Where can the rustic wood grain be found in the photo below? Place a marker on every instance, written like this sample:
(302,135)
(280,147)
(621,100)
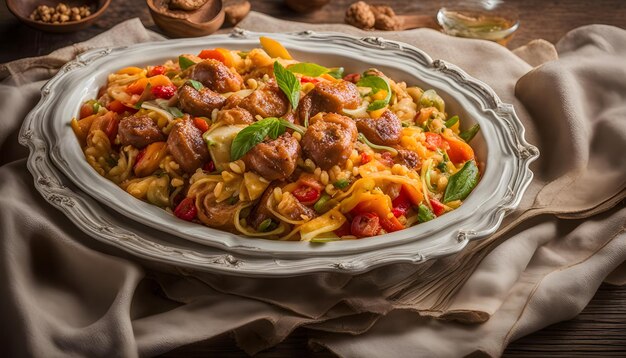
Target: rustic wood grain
(600,330)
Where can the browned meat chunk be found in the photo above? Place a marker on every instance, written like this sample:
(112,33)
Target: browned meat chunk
(274,159)
(199,103)
(408,158)
(216,76)
(383,131)
(329,97)
(294,209)
(267,102)
(186,146)
(329,140)
(219,215)
(235,115)
(139,131)
(260,212)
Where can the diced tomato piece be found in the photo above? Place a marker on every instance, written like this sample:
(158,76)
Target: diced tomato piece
(306,194)
(119,107)
(186,210)
(365,225)
(164,91)
(111,128)
(344,230)
(307,79)
(214,54)
(391,224)
(433,140)
(352,77)
(201,124)
(401,204)
(438,207)
(86,110)
(365,158)
(209,166)
(157,70)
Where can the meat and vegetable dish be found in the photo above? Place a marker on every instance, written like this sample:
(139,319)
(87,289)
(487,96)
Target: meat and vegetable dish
(260,144)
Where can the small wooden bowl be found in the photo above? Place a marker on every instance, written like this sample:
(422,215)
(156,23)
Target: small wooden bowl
(23,8)
(178,23)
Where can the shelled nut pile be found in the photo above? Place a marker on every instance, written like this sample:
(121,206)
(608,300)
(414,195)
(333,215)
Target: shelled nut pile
(60,14)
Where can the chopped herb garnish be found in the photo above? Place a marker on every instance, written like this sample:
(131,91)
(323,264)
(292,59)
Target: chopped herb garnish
(362,138)
(266,225)
(341,183)
(452,121)
(308,69)
(469,134)
(424,214)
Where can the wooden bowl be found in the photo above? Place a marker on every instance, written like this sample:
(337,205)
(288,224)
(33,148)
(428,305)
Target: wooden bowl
(178,23)
(23,8)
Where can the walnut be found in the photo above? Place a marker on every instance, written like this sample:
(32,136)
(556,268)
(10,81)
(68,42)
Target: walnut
(187,5)
(381,17)
(360,15)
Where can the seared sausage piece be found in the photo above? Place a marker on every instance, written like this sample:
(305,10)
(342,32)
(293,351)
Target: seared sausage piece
(329,140)
(267,102)
(139,131)
(236,115)
(186,146)
(294,209)
(260,212)
(274,159)
(216,76)
(384,130)
(408,158)
(199,103)
(329,97)
(219,215)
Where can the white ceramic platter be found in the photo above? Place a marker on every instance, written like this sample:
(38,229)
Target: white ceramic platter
(109,214)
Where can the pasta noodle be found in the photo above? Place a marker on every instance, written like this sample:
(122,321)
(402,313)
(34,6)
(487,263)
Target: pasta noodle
(263,145)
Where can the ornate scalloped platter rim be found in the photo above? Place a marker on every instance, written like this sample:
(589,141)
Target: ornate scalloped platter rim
(340,256)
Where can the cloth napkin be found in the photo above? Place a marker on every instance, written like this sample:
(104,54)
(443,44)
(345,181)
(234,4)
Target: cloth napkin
(64,294)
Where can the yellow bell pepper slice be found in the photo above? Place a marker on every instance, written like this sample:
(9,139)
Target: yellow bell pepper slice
(274,48)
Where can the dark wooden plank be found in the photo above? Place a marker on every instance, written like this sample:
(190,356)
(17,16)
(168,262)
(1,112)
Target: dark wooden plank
(599,330)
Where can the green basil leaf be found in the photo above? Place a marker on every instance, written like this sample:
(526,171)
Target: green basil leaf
(195,84)
(460,185)
(185,62)
(336,72)
(308,69)
(452,121)
(288,83)
(424,214)
(377,84)
(469,134)
(254,134)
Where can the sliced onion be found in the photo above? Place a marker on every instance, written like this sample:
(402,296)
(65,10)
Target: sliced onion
(158,109)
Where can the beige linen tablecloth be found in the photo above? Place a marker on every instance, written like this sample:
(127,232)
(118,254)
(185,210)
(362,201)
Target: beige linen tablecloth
(64,294)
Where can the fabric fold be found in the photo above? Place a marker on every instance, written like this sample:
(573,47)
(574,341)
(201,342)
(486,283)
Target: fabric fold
(61,295)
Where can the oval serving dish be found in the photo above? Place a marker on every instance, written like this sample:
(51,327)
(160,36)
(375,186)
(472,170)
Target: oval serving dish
(67,181)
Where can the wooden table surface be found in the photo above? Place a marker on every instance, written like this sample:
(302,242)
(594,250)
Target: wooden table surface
(599,330)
